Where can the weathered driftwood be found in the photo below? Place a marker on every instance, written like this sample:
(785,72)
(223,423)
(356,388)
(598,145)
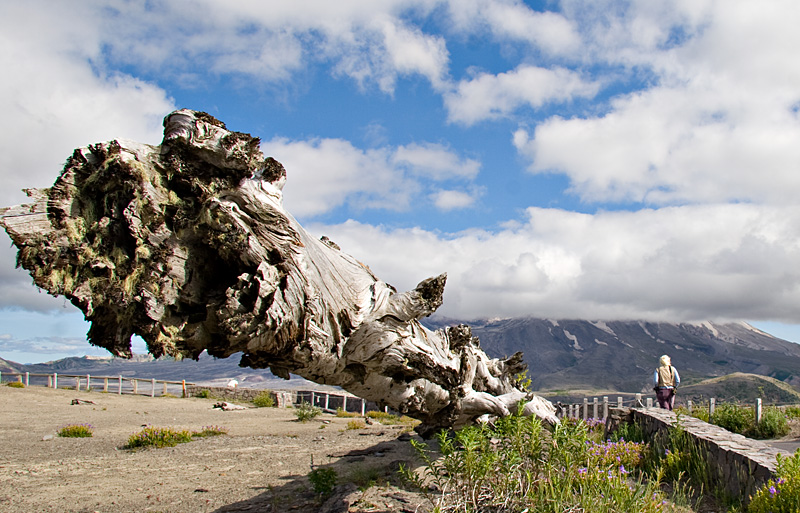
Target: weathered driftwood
(187,244)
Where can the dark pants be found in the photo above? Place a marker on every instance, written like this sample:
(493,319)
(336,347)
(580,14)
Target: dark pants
(666,398)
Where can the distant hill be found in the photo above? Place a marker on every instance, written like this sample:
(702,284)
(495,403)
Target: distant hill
(741,387)
(207,370)
(565,357)
(622,355)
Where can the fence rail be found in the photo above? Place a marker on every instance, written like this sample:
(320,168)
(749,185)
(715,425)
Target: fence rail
(119,384)
(598,407)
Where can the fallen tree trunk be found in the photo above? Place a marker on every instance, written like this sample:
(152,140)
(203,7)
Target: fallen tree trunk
(187,245)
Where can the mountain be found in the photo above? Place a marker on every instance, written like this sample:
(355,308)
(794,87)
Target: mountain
(565,357)
(745,388)
(622,355)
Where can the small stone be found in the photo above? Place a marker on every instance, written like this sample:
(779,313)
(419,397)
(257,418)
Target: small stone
(47,437)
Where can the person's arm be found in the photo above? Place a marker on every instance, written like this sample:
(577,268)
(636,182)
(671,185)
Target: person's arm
(655,378)
(677,377)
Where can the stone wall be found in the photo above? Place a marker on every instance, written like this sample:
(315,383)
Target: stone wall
(236,394)
(738,465)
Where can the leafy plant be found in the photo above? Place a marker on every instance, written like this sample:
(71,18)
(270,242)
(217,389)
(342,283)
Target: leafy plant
(76,431)
(264,400)
(390,419)
(158,437)
(516,465)
(203,394)
(356,424)
(323,480)
(734,418)
(306,412)
(773,424)
(781,495)
(792,412)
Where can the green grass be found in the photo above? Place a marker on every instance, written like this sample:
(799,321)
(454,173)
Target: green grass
(346,414)
(76,431)
(356,424)
(15,384)
(153,437)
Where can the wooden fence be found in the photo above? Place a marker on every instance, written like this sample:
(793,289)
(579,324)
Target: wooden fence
(111,384)
(598,408)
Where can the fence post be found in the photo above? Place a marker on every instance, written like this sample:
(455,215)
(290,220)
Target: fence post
(119,390)
(758,410)
(363,408)
(135,386)
(55,380)
(77,383)
(594,408)
(605,407)
(585,408)
(344,403)
(153,389)
(619,402)
(183,386)
(639,399)
(88,383)
(165,388)
(711,406)
(327,400)
(105,384)
(49,381)
(689,405)
(27,378)
(649,402)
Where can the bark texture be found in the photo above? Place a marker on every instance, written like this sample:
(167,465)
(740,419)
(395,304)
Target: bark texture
(187,244)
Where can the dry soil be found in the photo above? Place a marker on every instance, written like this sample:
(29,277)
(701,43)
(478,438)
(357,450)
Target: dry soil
(260,465)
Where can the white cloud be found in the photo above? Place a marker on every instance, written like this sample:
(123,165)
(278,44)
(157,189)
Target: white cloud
(681,263)
(489,96)
(720,125)
(328,173)
(447,200)
(510,20)
(435,161)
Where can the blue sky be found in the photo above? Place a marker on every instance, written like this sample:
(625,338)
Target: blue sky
(597,160)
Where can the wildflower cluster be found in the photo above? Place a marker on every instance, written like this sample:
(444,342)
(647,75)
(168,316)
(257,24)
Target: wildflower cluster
(158,437)
(616,454)
(781,495)
(516,465)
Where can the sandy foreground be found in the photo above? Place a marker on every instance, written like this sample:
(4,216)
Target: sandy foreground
(260,465)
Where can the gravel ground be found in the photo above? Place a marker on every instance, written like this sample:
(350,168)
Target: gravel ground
(260,465)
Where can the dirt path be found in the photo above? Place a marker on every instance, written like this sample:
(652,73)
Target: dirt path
(261,465)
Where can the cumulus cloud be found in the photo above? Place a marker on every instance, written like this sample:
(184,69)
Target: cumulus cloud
(719,124)
(328,173)
(678,263)
(489,96)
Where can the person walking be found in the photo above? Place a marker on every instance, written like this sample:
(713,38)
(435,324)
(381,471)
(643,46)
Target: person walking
(665,381)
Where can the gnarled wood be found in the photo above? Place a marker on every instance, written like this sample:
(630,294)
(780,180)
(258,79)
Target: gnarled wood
(187,244)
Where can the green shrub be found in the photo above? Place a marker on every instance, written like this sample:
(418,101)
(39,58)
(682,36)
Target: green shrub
(734,418)
(341,413)
(264,400)
(390,419)
(203,394)
(158,437)
(76,431)
(306,412)
(781,495)
(356,424)
(773,425)
(15,384)
(323,480)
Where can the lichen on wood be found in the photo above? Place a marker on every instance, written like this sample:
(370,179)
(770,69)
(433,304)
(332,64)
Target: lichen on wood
(187,245)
